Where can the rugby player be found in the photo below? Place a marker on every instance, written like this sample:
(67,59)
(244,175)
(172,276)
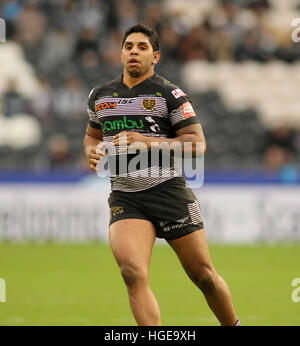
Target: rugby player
(149,109)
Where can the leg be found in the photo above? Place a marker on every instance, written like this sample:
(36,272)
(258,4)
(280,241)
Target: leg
(192,251)
(131,241)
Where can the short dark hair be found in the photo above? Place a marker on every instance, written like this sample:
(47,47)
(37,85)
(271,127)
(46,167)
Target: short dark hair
(146,30)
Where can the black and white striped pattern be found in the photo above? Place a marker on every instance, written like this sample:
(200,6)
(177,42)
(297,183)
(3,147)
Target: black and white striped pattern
(142,179)
(134,108)
(93,116)
(153,176)
(149,108)
(113,149)
(195,213)
(176,116)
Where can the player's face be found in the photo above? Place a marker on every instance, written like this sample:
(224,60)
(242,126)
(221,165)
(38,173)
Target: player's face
(137,55)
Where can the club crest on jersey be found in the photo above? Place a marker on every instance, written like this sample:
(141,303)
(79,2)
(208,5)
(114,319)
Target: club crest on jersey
(149,104)
(117,210)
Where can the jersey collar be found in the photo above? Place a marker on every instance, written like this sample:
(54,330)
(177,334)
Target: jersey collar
(141,84)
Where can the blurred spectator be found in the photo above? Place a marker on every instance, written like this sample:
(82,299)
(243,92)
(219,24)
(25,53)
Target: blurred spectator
(279,148)
(127,13)
(13,101)
(282,137)
(196,44)
(276,157)
(59,153)
(66,14)
(153,16)
(58,47)
(180,22)
(259,6)
(31,25)
(89,69)
(87,40)
(169,45)
(70,100)
(92,14)
(112,47)
(231,23)
(41,103)
(297,143)
(222,46)
(249,48)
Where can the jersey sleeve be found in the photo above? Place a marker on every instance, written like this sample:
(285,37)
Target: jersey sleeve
(181,112)
(93,119)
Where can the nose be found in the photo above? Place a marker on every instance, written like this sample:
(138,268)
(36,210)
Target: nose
(134,50)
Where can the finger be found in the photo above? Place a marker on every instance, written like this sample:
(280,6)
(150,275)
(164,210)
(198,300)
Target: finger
(100,148)
(122,133)
(94,162)
(119,142)
(95,156)
(123,140)
(101,153)
(93,168)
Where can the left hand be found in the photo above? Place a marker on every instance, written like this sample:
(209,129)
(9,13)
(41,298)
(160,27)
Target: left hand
(131,140)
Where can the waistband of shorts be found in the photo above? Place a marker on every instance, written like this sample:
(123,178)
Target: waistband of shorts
(176,180)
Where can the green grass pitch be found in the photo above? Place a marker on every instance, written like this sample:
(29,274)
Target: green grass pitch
(80,284)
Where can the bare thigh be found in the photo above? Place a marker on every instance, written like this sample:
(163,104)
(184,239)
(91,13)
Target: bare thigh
(131,241)
(193,253)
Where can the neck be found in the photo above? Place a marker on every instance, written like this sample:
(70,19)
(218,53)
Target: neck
(131,81)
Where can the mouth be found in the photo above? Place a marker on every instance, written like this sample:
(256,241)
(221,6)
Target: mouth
(133,62)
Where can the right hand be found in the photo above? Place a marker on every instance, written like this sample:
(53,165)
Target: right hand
(95,155)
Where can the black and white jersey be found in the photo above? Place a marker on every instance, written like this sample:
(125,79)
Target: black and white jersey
(154,108)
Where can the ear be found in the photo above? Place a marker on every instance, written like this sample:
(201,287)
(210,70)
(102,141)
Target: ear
(156,57)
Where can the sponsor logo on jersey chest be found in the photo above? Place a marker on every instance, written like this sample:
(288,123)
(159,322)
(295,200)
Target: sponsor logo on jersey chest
(112,105)
(106,105)
(121,124)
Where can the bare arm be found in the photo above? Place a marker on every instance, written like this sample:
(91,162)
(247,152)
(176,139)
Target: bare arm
(92,139)
(189,134)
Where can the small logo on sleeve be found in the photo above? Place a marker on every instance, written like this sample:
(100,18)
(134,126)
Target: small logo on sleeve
(178,93)
(187,110)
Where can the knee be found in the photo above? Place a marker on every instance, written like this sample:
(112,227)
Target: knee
(133,274)
(204,278)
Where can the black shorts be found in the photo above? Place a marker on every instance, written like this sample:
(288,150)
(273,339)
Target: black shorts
(171,206)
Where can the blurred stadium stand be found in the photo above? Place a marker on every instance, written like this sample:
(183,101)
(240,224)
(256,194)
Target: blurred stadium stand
(235,58)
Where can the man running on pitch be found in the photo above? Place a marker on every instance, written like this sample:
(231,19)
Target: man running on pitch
(143,107)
